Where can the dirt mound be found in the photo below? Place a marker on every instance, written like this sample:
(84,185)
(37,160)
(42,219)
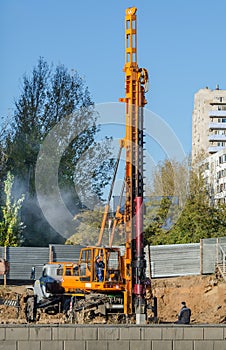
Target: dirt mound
(12,296)
(205,295)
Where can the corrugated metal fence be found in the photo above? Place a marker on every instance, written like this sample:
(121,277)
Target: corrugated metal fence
(60,252)
(22,259)
(175,260)
(166,260)
(209,249)
(208,252)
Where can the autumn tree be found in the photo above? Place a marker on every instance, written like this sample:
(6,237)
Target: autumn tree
(171,178)
(165,199)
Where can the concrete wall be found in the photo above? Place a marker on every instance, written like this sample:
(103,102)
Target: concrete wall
(112,337)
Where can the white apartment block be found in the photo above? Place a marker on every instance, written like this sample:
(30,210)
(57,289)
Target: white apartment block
(209,138)
(208,122)
(215,176)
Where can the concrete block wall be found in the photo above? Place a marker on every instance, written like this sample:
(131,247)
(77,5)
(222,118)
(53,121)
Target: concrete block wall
(112,337)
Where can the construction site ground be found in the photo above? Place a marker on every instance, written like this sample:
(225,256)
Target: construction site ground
(205,295)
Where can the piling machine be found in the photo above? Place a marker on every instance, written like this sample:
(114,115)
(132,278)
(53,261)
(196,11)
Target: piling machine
(118,284)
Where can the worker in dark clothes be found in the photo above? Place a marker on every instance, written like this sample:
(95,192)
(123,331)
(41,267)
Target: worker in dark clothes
(184,314)
(99,269)
(32,276)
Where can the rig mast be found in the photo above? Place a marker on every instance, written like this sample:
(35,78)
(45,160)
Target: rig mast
(136,80)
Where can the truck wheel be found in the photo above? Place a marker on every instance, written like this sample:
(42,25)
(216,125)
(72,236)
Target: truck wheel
(30,309)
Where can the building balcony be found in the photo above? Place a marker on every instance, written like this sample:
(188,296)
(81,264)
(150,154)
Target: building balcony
(217,126)
(217,114)
(217,137)
(220,195)
(214,149)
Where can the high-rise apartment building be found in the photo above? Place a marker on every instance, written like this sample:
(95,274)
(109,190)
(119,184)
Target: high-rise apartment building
(209,122)
(209,136)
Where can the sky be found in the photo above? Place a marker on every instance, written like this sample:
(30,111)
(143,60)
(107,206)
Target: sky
(180,43)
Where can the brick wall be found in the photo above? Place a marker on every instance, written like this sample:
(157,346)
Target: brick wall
(112,337)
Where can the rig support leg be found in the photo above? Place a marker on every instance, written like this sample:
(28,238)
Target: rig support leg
(140,310)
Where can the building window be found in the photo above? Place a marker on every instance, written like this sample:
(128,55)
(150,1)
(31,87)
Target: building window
(207,166)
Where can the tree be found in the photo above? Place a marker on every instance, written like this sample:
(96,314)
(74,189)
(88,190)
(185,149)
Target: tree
(88,224)
(5,137)
(166,200)
(171,178)
(49,96)
(11,226)
(88,227)
(199,219)
(159,219)
(195,220)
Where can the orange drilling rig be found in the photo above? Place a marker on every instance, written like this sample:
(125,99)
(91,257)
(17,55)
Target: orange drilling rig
(104,281)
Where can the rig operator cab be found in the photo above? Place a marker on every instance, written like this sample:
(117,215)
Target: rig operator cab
(99,268)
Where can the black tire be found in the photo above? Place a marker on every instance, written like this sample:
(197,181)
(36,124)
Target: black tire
(30,309)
